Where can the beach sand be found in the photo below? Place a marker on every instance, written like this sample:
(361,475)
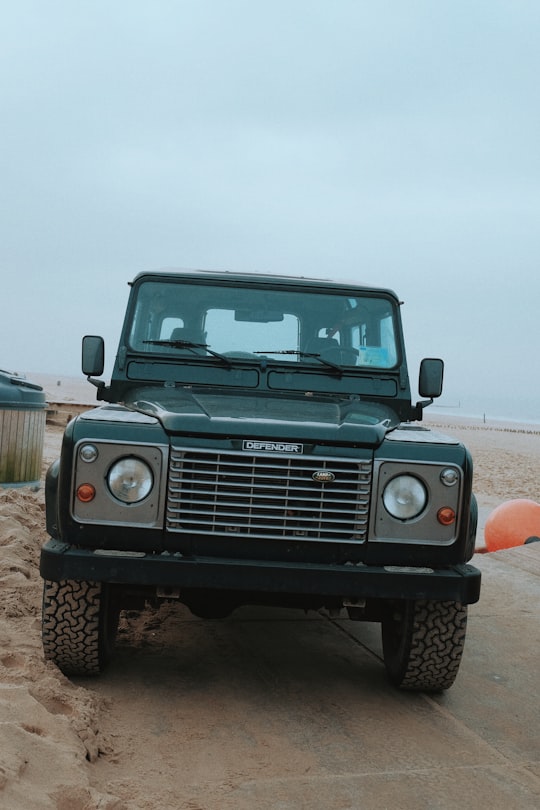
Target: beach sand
(51,732)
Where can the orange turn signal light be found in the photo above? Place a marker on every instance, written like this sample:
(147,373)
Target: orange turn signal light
(86,493)
(446,516)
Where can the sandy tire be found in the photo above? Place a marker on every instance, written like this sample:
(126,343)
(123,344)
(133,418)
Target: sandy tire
(423,643)
(79,626)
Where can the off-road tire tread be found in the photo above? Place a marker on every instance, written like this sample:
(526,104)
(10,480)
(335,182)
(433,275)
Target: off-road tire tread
(71,626)
(431,648)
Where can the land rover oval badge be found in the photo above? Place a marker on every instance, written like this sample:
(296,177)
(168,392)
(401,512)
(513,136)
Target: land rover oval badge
(323,476)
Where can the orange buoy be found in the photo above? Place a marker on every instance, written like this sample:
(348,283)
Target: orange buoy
(513,523)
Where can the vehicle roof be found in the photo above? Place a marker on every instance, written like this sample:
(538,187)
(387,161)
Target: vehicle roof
(260,278)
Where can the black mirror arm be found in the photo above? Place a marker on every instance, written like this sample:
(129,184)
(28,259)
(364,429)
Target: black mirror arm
(97,383)
(419,408)
(101,388)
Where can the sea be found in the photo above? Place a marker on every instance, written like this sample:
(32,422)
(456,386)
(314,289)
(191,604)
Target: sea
(488,410)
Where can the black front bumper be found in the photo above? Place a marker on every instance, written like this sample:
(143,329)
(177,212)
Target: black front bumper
(60,561)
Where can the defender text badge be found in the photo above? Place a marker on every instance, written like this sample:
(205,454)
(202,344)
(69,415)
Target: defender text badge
(273,447)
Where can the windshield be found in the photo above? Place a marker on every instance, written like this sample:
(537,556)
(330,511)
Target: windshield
(299,326)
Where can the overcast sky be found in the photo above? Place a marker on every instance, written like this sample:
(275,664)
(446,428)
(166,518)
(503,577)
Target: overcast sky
(394,142)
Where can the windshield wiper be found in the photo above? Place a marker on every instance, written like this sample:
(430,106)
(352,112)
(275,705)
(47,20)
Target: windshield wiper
(188,344)
(334,366)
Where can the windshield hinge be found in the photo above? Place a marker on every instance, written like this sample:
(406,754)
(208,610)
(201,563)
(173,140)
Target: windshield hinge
(403,378)
(122,353)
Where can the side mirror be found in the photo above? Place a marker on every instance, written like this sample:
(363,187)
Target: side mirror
(430,381)
(93,355)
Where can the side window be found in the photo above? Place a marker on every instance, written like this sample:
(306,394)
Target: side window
(149,317)
(388,340)
(375,341)
(168,325)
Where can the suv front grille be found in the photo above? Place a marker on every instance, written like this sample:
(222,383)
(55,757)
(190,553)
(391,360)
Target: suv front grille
(270,497)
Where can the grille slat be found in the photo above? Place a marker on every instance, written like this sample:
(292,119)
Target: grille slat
(270,492)
(306,517)
(342,510)
(264,497)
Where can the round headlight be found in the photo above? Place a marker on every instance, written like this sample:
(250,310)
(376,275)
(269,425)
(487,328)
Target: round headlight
(130,480)
(404,497)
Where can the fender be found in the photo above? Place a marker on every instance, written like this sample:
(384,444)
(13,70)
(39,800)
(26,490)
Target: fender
(51,498)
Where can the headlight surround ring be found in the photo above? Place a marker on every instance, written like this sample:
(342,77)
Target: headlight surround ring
(405,497)
(130,480)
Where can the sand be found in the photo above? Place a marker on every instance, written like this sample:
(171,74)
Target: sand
(56,750)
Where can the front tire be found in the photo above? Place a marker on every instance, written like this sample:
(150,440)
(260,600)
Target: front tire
(423,643)
(79,623)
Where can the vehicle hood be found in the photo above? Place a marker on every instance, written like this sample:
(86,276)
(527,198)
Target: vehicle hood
(305,418)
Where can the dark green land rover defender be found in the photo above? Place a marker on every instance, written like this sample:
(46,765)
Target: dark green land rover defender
(257,444)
